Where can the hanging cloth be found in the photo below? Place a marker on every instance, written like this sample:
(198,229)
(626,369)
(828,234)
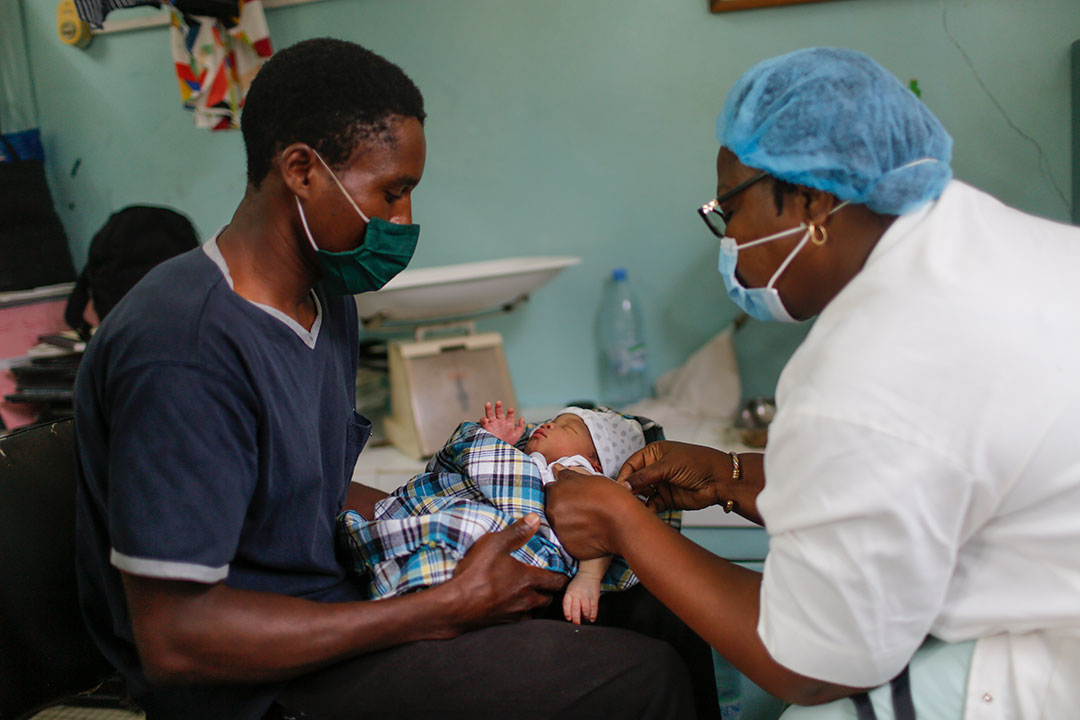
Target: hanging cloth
(216,60)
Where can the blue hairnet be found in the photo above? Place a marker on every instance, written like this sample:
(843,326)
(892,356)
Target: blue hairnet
(837,121)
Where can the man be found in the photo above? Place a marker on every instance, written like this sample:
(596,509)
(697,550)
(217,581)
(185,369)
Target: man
(216,439)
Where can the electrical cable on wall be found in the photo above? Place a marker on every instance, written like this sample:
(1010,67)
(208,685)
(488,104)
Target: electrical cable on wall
(1044,164)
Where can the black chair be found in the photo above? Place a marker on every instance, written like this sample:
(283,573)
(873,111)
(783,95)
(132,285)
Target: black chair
(46,653)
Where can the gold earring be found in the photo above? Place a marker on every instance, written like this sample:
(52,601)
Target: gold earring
(824,234)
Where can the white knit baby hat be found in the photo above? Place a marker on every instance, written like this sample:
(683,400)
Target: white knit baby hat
(616,438)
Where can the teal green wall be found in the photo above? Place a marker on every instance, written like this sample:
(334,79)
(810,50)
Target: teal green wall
(578,127)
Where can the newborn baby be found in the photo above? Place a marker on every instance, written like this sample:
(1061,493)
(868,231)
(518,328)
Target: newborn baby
(487,475)
(595,440)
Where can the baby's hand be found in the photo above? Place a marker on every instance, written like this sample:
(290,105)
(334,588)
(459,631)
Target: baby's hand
(581,599)
(501,424)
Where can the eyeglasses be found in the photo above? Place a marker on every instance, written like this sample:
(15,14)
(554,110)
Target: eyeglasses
(713,214)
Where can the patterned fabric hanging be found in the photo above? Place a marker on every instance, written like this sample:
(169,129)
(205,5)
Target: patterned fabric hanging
(216,61)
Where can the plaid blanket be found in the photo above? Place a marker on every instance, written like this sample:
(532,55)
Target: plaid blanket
(475,485)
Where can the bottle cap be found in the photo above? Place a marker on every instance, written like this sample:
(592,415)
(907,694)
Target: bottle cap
(618,274)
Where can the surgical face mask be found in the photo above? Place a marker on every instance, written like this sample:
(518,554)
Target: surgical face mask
(762,303)
(385,250)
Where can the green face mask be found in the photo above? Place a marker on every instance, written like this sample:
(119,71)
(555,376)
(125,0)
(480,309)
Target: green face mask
(384,251)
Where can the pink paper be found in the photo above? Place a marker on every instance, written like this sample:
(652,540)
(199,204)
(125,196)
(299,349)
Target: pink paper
(20,326)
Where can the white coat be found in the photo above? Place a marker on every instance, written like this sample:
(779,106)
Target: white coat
(923,470)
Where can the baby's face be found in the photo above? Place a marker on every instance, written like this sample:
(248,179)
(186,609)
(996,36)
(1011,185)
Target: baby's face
(563,436)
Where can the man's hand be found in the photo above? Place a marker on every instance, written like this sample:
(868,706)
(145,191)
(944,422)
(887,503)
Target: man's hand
(501,424)
(495,587)
(362,499)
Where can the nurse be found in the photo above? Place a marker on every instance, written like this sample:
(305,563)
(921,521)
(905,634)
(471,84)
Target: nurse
(921,483)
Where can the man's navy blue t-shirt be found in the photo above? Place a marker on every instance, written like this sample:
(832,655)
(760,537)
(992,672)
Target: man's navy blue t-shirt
(215,443)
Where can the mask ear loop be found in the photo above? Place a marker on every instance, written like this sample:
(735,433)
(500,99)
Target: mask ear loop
(341,187)
(768,238)
(300,207)
(825,233)
(791,256)
(303,221)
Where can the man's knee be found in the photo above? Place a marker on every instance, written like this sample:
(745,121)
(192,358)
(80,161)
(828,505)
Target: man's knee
(655,683)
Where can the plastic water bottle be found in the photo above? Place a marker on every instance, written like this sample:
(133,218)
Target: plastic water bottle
(622,342)
(728,688)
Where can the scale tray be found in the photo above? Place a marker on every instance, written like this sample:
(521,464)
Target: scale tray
(459,290)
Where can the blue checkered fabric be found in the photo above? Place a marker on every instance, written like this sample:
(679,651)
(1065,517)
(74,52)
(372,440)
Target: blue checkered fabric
(475,485)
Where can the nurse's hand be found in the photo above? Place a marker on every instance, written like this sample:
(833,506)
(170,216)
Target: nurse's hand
(496,588)
(683,476)
(675,475)
(587,512)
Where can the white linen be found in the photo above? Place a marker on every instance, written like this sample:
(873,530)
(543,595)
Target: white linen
(923,469)
(547,475)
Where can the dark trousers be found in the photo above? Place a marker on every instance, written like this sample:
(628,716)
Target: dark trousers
(542,668)
(637,610)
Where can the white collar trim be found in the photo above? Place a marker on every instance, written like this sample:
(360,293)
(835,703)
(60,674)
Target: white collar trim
(310,337)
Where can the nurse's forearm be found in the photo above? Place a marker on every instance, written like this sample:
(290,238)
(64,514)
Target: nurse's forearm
(718,599)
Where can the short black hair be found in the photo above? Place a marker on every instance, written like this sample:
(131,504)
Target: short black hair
(328,93)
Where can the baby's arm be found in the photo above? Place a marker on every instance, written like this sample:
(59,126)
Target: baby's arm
(501,424)
(582,597)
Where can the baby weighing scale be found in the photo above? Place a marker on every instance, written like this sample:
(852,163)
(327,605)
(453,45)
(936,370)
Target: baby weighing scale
(447,371)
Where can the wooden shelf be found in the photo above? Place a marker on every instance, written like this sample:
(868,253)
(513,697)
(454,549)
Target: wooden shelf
(719,6)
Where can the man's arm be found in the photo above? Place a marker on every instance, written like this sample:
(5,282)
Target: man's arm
(362,499)
(189,633)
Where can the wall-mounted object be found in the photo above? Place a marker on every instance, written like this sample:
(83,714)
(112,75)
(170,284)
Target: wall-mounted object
(161,19)
(719,6)
(71,28)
